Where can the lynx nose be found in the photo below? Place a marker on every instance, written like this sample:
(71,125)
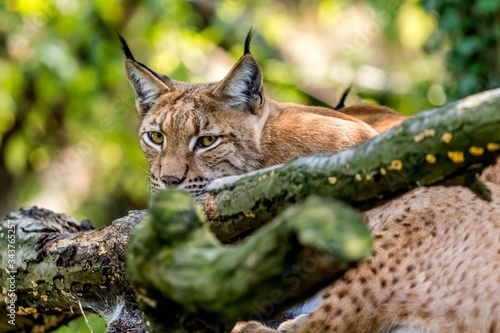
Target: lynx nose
(170,180)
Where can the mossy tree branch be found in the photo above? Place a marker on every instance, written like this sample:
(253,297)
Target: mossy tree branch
(437,146)
(186,278)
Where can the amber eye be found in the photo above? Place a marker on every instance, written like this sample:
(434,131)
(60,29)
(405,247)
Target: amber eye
(206,141)
(156,137)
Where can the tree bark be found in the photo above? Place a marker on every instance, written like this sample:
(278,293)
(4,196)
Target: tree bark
(55,264)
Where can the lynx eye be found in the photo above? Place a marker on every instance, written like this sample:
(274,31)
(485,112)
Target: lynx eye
(206,141)
(156,137)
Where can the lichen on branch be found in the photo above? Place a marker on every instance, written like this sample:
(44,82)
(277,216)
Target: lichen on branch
(432,147)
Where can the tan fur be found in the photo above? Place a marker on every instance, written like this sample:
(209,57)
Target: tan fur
(436,264)
(492,173)
(299,130)
(381,118)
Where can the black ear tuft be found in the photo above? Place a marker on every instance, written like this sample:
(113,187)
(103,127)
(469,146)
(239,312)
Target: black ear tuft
(148,84)
(248,39)
(341,102)
(130,56)
(125,48)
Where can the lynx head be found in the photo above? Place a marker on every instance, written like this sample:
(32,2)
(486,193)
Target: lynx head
(194,133)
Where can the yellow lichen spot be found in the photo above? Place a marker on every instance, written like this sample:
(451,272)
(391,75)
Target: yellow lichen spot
(44,297)
(419,137)
(26,311)
(358,177)
(431,159)
(456,156)
(368,176)
(396,165)
(492,146)
(476,151)
(34,284)
(332,180)
(429,132)
(249,215)
(382,171)
(447,137)
(65,293)
(101,250)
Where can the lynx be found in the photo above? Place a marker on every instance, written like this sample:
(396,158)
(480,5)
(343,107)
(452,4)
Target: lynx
(436,262)
(192,134)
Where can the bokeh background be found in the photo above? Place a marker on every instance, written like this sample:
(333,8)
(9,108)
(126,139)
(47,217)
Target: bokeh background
(67,120)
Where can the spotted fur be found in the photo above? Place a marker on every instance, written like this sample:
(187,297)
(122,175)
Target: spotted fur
(435,269)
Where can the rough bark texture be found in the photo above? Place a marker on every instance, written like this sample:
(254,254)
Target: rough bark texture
(432,147)
(212,286)
(57,263)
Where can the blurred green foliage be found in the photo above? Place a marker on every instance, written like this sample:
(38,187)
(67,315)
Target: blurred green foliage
(96,323)
(471,32)
(67,120)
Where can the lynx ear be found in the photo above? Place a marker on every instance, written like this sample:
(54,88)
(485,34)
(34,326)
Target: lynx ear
(148,84)
(242,87)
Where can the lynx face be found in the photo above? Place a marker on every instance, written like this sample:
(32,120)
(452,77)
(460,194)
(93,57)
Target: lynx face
(190,140)
(194,133)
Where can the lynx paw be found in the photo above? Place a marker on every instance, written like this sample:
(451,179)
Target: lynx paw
(292,325)
(251,327)
(289,326)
